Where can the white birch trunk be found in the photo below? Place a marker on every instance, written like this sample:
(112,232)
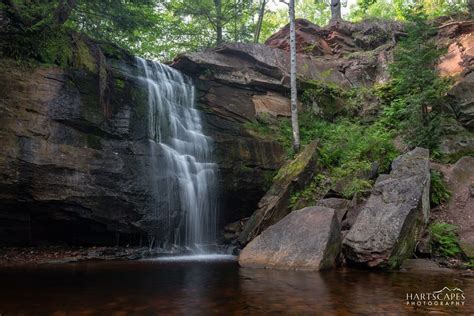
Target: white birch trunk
(294,94)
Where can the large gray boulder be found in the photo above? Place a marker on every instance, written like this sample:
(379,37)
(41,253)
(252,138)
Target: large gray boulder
(307,239)
(387,227)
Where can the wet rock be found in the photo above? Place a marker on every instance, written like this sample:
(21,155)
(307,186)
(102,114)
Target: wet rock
(275,204)
(233,227)
(391,221)
(307,239)
(423,266)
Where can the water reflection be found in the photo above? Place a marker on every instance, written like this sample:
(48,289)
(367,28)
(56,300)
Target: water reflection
(204,288)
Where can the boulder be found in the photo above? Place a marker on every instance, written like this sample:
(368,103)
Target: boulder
(307,239)
(388,226)
(339,205)
(275,204)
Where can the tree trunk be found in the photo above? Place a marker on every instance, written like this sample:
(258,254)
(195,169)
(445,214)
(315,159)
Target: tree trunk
(294,95)
(470,6)
(218,6)
(335,10)
(258,28)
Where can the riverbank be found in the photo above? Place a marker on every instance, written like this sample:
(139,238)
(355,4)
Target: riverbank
(17,256)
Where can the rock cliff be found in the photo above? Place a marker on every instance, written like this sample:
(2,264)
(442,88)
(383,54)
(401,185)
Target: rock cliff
(75,164)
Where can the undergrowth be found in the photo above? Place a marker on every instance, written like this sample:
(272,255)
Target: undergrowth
(439,192)
(444,239)
(348,150)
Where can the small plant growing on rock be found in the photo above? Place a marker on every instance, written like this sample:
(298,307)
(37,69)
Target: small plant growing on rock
(444,239)
(439,192)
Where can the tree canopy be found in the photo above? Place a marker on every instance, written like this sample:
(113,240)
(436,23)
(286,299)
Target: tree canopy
(162,29)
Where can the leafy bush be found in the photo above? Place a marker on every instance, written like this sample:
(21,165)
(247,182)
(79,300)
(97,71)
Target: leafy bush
(439,193)
(444,239)
(348,149)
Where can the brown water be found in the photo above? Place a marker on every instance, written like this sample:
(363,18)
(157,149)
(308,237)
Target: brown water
(217,287)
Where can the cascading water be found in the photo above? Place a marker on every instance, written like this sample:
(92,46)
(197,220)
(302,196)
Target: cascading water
(184,176)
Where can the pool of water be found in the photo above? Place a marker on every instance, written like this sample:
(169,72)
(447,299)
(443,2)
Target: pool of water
(206,286)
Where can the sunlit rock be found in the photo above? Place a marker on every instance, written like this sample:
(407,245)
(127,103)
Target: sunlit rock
(307,239)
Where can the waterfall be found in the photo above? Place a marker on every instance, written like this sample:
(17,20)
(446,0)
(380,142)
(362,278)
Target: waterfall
(184,175)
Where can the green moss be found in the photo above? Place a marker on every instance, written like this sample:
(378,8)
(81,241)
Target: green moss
(289,170)
(297,165)
(84,58)
(119,83)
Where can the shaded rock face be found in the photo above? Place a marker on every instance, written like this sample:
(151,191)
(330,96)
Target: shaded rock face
(459,178)
(75,170)
(388,226)
(307,239)
(71,170)
(275,204)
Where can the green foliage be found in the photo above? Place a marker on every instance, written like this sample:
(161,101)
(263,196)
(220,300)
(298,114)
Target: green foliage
(414,101)
(316,11)
(312,192)
(439,192)
(444,239)
(396,9)
(348,149)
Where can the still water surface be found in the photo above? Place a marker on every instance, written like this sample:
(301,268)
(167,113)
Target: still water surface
(207,287)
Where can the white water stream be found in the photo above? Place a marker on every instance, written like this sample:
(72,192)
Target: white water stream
(182,162)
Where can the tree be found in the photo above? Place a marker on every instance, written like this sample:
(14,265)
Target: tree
(335,10)
(224,17)
(258,27)
(294,92)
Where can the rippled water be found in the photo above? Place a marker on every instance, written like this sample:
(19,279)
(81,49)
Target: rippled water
(204,287)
